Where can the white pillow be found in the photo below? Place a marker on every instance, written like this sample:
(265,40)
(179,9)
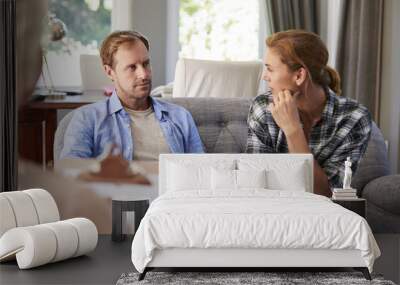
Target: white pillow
(251,179)
(231,180)
(281,174)
(183,178)
(193,175)
(223,179)
(292,180)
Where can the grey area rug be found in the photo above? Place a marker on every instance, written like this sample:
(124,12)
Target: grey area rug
(225,278)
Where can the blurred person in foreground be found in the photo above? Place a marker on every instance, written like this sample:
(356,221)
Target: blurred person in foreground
(73,199)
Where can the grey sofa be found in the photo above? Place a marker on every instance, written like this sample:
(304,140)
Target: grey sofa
(222,124)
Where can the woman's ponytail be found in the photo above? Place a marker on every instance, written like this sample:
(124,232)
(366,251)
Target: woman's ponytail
(334,82)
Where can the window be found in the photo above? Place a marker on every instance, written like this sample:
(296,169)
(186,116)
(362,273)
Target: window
(219,30)
(88,22)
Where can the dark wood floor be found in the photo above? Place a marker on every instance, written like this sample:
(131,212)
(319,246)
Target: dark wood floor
(102,266)
(110,259)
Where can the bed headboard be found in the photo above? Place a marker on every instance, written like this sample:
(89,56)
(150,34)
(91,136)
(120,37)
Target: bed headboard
(272,160)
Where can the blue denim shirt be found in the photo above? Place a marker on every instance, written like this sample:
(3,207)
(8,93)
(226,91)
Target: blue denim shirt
(93,127)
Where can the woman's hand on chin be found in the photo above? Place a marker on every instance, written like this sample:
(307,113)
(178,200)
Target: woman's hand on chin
(285,113)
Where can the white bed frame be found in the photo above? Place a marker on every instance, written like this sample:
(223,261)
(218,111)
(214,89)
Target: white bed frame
(234,257)
(250,258)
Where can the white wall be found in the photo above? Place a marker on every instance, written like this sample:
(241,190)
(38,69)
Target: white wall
(390,91)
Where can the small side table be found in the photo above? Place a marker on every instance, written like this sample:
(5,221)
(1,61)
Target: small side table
(357,205)
(118,209)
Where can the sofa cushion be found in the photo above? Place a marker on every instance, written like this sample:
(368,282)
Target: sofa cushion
(222,122)
(382,221)
(384,192)
(374,162)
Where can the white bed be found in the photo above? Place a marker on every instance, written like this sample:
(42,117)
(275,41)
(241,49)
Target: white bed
(203,219)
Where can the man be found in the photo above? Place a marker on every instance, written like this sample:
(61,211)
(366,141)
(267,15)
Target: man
(141,126)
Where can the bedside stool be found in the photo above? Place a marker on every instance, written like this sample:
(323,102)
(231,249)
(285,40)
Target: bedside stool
(119,207)
(357,205)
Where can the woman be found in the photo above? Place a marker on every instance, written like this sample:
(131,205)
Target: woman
(303,113)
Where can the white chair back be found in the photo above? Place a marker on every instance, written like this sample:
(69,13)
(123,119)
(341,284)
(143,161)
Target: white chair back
(27,208)
(205,78)
(92,73)
(31,231)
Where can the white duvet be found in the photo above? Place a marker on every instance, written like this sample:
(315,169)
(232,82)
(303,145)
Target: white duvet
(250,219)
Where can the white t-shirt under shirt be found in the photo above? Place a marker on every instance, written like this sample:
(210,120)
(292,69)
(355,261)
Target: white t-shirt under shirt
(147,136)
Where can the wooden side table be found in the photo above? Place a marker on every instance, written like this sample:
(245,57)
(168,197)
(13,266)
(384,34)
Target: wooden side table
(357,205)
(37,123)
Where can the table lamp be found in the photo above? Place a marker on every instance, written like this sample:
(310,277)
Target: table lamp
(56,32)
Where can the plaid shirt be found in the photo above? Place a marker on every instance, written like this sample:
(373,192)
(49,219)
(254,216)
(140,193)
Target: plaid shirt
(343,131)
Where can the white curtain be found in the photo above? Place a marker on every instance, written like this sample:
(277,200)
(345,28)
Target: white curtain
(334,16)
